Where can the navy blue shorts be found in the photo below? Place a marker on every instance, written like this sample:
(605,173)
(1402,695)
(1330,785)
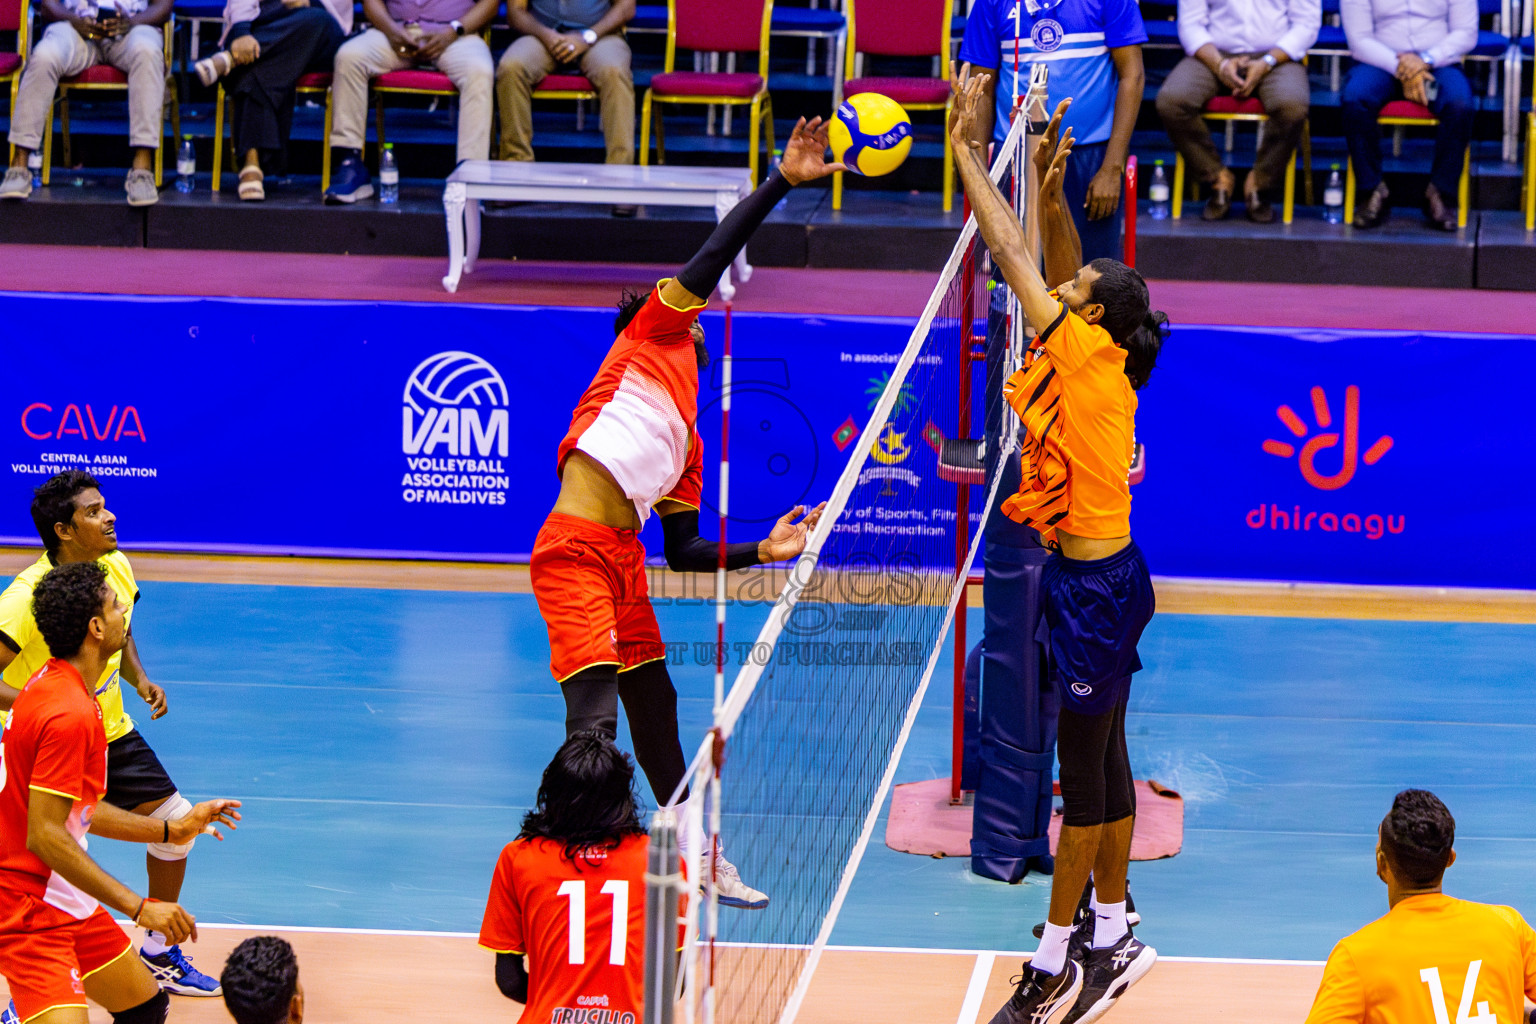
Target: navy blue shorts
(1096,612)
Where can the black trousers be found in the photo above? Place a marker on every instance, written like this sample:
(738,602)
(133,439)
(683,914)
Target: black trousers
(650,703)
(293,42)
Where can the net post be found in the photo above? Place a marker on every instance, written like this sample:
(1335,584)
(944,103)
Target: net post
(1130,211)
(962,515)
(725,495)
(662,884)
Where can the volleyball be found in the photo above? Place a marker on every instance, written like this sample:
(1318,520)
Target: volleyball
(871,134)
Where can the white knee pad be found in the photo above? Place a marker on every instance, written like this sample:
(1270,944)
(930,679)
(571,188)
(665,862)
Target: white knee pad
(175,806)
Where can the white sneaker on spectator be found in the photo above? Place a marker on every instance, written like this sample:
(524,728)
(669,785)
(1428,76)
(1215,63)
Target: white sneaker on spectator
(140,186)
(17,183)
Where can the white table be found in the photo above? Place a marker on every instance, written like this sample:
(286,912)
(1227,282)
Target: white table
(476,180)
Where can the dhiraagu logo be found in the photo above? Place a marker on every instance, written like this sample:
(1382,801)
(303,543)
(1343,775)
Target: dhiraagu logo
(1346,439)
(455,427)
(1337,447)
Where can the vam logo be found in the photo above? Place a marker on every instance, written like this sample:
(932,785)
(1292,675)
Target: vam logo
(445,397)
(1348,437)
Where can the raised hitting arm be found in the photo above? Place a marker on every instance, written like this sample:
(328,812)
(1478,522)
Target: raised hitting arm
(1058,232)
(804,160)
(995,219)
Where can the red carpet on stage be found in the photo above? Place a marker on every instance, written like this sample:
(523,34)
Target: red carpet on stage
(923,821)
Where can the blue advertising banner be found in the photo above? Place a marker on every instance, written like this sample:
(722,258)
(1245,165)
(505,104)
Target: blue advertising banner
(430,430)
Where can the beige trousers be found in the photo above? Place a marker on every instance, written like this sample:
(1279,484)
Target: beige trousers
(606,66)
(62,53)
(466,62)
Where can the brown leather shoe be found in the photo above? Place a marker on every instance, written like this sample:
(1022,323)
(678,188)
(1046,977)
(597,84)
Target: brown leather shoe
(1218,206)
(1257,209)
(1375,209)
(1436,213)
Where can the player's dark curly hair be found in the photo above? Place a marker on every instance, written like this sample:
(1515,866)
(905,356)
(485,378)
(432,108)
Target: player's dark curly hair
(54,502)
(259,980)
(1416,837)
(1128,317)
(630,302)
(65,602)
(587,797)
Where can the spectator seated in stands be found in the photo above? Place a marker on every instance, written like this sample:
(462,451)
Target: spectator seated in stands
(261,983)
(127,35)
(271,44)
(561,35)
(1409,49)
(444,34)
(1242,49)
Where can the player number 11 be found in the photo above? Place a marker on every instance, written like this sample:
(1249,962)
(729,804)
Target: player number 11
(575,892)
(1431,977)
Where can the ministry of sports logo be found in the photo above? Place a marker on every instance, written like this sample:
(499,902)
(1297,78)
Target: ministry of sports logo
(454,419)
(1047,35)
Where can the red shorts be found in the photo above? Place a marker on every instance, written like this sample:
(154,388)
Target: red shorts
(589,580)
(46,953)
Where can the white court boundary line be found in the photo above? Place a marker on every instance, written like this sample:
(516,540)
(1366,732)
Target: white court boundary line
(981,973)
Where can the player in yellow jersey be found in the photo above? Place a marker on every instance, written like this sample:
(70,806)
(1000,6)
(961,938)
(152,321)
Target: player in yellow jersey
(1432,959)
(73,521)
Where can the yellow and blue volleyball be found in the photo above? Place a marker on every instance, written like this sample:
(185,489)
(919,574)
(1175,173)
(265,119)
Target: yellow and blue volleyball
(871,133)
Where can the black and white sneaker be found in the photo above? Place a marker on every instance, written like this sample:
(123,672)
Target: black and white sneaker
(1041,998)
(1109,974)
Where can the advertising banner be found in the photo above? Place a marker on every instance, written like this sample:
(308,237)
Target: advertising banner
(429,431)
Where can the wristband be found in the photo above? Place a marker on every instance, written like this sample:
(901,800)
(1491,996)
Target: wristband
(166,837)
(140,913)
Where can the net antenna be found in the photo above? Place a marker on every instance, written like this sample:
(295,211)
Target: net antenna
(820,711)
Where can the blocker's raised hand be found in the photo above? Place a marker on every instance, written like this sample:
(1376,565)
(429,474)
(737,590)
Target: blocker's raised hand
(805,157)
(968,96)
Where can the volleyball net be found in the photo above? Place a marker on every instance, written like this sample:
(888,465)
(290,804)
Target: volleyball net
(790,783)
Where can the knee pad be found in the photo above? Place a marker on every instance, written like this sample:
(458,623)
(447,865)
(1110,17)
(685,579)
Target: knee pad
(151,1011)
(175,806)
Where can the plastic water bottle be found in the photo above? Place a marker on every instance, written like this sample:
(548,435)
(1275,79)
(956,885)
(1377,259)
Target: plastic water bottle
(186,165)
(35,165)
(389,176)
(1157,191)
(1333,198)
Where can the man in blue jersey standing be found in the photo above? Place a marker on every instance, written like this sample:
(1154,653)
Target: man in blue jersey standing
(1093,49)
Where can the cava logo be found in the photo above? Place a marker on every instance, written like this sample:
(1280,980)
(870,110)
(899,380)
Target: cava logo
(455,404)
(455,429)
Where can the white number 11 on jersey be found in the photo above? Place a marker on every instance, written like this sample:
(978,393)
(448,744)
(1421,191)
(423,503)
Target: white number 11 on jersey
(575,892)
(1431,977)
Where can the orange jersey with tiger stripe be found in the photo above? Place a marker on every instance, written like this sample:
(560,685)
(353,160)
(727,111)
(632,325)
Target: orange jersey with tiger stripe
(581,923)
(1431,960)
(1079,415)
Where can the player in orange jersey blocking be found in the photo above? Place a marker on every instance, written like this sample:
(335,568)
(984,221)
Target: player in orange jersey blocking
(633,447)
(1431,956)
(1096,341)
(58,945)
(569,893)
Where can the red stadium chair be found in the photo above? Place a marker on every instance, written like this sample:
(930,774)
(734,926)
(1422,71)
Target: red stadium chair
(315,83)
(713,26)
(1406,113)
(901,28)
(104,78)
(1230,109)
(566,87)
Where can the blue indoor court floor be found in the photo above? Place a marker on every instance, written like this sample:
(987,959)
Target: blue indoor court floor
(387,742)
